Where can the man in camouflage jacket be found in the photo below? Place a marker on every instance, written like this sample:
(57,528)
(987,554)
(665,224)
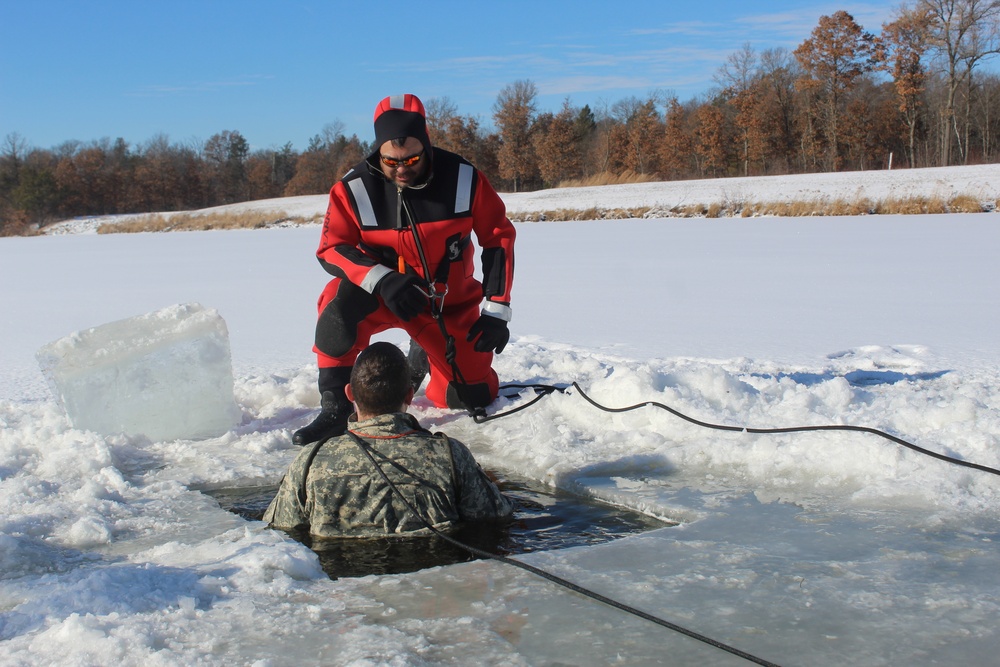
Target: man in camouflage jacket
(333,488)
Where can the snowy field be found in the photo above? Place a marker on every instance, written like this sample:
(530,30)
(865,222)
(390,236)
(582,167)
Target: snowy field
(822,548)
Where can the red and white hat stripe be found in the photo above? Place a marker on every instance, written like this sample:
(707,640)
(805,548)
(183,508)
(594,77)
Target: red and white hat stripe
(405,102)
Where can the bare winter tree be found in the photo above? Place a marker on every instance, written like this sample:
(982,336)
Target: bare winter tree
(902,47)
(441,111)
(962,33)
(738,78)
(641,128)
(777,90)
(227,153)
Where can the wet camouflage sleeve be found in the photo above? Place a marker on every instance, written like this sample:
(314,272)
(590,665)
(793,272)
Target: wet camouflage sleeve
(286,511)
(478,498)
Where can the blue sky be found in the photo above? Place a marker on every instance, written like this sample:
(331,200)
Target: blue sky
(279,71)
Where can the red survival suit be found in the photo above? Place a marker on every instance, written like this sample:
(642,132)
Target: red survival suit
(370,229)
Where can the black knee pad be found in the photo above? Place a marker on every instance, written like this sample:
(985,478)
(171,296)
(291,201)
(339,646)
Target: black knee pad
(337,326)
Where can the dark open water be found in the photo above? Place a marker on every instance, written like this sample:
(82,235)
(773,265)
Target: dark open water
(545,519)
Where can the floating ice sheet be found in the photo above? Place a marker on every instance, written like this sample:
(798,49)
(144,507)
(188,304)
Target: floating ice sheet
(166,375)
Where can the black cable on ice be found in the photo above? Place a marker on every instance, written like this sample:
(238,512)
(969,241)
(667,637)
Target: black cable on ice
(791,429)
(576,588)
(545,389)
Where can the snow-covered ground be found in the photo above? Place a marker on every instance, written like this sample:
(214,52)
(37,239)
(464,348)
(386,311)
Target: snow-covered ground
(825,548)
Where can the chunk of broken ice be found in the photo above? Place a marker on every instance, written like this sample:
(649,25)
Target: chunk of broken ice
(167,375)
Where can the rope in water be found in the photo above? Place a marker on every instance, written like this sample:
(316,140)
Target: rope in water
(576,588)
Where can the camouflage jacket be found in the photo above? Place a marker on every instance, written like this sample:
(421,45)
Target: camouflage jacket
(334,489)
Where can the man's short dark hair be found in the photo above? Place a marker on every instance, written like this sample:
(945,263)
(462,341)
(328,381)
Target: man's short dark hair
(380,379)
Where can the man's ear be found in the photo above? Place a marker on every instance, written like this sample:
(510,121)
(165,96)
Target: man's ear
(349,392)
(409,396)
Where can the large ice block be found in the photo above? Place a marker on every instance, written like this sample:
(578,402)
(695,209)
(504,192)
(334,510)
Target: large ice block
(167,375)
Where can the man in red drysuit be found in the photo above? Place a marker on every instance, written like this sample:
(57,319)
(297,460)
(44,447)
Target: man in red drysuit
(397,239)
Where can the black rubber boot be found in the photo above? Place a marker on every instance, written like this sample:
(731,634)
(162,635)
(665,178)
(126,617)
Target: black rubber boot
(334,408)
(419,365)
(468,396)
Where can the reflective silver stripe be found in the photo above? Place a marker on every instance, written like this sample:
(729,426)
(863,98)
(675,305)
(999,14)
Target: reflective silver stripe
(397,101)
(498,310)
(373,276)
(364,203)
(463,196)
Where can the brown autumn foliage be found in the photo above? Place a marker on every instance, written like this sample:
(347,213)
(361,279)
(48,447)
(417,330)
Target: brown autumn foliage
(833,59)
(845,99)
(514,115)
(711,140)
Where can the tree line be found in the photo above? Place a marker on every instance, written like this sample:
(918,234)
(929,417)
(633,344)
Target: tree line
(915,94)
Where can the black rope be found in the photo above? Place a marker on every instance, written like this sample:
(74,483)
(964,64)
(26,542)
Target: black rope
(449,340)
(791,429)
(576,588)
(545,389)
(542,390)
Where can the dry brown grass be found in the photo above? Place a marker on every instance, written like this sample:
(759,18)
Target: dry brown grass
(912,206)
(725,209)
(964,204)
(570,214)
(608,178)
(798,209)
(16,223)
(691,210)
(186,222)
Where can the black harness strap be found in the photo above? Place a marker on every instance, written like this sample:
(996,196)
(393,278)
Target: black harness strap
(449,340)
(305,473)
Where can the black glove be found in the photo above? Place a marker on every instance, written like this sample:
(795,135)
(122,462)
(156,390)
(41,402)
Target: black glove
(495,334)
(401,294)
